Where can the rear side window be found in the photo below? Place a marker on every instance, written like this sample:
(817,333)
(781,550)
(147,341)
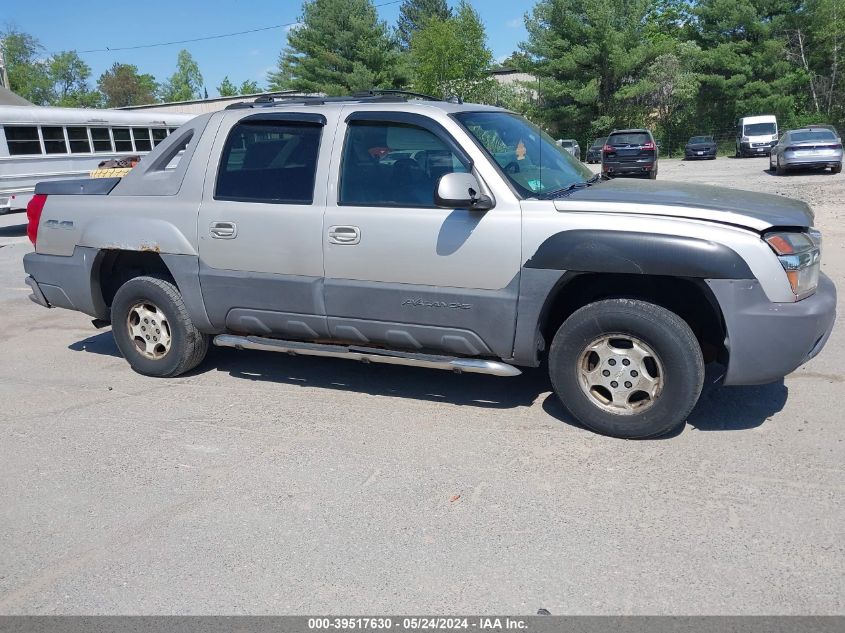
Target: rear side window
(629,138)
(269,161)
(22,140)
(393,164)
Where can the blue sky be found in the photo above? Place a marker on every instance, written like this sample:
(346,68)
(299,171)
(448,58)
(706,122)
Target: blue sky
(65,25)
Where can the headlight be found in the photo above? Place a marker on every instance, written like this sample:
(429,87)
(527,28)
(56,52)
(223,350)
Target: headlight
(800,256)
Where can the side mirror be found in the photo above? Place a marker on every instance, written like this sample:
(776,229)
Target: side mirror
(461,191)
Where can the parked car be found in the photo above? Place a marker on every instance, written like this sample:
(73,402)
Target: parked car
(700,147)
(630,153)
(756,135)
(594,151)
(571,146)
(816,147)
(290,226)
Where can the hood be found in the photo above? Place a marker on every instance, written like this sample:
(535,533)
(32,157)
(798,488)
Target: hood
(757,211)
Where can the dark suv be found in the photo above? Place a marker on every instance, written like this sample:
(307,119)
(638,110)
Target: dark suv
(629,153)
(594,151)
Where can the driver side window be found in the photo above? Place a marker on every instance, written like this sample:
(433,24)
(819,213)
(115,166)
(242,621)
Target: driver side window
(393,165)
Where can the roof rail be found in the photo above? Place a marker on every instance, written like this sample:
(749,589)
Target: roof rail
(376,92)
(296,97)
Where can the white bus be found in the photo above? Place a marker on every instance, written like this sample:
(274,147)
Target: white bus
(41,143)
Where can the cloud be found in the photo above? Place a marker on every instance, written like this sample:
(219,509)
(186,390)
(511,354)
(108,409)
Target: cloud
(515,23)
(293,27)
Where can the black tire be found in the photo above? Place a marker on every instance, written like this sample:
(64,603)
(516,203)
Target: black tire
(780,171)
(836,169)
(652,175)
(188,346)
(663,331)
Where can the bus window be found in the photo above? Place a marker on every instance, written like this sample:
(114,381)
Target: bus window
(54,140)
(22,140)
(159,134)
(142,139)
(122,142)
(78,137)
(101,138)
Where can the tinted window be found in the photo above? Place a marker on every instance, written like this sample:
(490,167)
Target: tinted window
(101,138)
(812,135)
(78,137)
(629,138)
(122,142)
(701,139)
(54,140)
(599,142)
(159,134)
(391,164)
(22,140)
(142,139)
(266,161)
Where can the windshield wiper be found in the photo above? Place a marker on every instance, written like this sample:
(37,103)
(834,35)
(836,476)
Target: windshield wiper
(575,186)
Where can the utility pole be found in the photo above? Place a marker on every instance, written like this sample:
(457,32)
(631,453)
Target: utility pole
(4,73)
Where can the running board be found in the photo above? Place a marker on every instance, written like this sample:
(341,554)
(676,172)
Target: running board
(368,355)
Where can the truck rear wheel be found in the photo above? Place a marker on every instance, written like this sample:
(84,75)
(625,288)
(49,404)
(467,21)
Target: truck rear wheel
(152,329)
(627,368)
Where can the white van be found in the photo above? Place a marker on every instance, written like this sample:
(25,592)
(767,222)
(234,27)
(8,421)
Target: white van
(756,135)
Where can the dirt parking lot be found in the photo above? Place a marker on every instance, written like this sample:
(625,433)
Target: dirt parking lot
(266,484)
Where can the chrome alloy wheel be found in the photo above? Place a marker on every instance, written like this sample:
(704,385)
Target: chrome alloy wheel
(149,330)
(620,374)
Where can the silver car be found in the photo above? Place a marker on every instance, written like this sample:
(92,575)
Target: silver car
(816,147)
(571,146)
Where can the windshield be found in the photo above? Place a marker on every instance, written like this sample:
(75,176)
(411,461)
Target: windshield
(813,135)
(599,142)
(760,129)
(565,143)
(700,139)
(529,157)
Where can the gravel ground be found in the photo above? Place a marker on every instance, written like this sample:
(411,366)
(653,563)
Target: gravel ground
(263,484)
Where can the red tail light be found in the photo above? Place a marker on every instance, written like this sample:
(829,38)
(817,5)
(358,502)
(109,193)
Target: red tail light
(607,148)
(648,145)
(33,215)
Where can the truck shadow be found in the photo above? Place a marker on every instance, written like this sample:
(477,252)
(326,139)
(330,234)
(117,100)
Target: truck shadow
(718,409)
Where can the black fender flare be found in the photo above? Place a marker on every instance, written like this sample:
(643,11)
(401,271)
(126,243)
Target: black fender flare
(632,252)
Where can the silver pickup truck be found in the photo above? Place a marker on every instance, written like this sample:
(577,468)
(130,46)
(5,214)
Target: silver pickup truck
(397,230)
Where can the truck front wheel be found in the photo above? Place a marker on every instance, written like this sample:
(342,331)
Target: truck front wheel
(627,368)
(152,329)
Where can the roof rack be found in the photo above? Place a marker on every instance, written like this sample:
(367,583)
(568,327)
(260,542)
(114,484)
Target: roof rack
(296,97)
(377,92)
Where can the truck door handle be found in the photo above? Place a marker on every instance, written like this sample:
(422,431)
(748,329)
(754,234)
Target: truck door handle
(224,230)
(344,234)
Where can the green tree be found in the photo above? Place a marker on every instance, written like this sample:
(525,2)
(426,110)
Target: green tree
(70,74)
(339,47)
(249,87)
(227,88)
(122,85)
(29,73)
(413,15)
(186,83)
(586,52)
(450,57)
